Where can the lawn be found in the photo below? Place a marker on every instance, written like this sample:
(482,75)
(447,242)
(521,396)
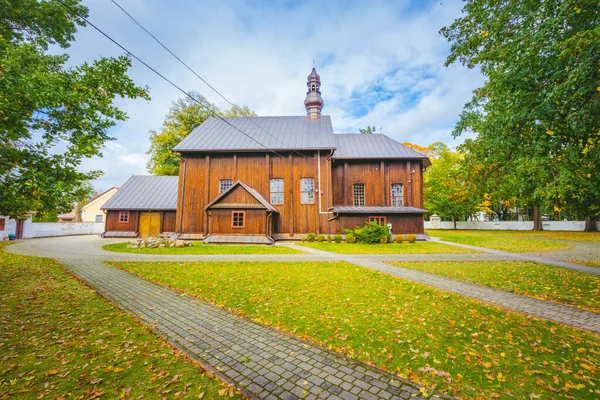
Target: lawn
(564,235)
(442,340)
(544,282)
(390,248)
(201,248)
(589,263)
(60,339)
(511,241)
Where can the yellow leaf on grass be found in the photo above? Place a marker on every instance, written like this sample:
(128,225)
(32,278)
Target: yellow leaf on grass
(117,369)
(52,372)
(487,364)
(589,368)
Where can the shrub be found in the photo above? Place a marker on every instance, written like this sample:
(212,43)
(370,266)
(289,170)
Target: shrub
(411,238)
(350,238)
(337,238)
(371,232)
(320,238)
(311,237)
(399,238)
(303,239)
(329,239)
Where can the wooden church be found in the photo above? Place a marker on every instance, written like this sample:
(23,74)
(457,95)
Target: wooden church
(263,179)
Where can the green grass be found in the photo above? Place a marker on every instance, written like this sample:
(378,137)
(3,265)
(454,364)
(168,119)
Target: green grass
(460,346)
(390,248)
(511,241)
(563,235)
(59,339)
(589,263)
(543,282)
(200,248)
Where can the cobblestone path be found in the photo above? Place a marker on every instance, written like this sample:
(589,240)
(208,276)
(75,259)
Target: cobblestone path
(262,362)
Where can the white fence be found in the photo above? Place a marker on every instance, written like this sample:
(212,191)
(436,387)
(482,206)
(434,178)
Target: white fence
(46,229)
(511,225)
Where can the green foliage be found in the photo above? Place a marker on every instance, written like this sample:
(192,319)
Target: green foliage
(399,238)
(329,239)
(185,115)
(384,240)
(337,238)
(311,237)
(368,131)
(51,116)
(537,117)
(350,238)
(411,238)
(371,232)
(320,238)
(49,216)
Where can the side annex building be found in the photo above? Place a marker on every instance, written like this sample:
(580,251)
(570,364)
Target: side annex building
(263,179)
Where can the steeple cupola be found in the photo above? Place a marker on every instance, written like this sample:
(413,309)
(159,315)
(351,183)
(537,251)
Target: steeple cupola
(313,101)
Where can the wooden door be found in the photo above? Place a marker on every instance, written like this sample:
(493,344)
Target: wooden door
(149,224)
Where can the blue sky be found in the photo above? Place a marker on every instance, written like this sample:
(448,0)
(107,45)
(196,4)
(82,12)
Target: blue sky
(381,64)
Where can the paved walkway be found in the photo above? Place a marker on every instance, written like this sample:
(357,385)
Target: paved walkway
(263,363)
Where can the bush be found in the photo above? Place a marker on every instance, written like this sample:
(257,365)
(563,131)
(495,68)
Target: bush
(411,238)
(329,239)
(321,238)
(399,238)
(350,238)
(371,232)
(311,237)
(337,238)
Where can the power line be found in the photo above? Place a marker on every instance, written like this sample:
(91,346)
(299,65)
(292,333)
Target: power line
(196,74)
(164,77)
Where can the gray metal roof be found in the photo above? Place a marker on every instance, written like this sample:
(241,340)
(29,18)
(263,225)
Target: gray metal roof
(376,145)
(378,210)
(145,192)
(260,133)
(250,190)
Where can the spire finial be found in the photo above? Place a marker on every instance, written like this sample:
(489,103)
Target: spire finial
(313,101)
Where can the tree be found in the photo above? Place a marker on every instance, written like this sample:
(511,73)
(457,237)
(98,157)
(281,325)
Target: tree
(446,189)
(184,115)
(537,117)
(51,116)
(368,131)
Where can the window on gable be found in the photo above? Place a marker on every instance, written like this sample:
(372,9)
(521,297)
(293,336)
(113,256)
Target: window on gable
(277,191)
(307,191)
(224,184)
(238,219)
(123,217)
(359,194)
(397,195)
(380,220)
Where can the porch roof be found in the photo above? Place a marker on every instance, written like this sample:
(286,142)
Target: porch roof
(265,204)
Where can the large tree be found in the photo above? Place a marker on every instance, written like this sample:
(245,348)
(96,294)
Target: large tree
(184,115)
(537,117)
(51,116)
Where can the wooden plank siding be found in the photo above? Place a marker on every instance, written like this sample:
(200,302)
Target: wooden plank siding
(401,223)
(255,222)
(167,221)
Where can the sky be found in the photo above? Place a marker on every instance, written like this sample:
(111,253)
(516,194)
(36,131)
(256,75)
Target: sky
(381,64)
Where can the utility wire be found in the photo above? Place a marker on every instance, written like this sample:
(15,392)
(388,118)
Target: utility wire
(197,75)
(164,77)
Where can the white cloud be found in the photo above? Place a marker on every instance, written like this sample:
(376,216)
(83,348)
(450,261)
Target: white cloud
(259,54)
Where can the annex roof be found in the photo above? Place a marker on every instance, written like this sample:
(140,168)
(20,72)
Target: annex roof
(260,134)
(378,210)
(145,192)
(250,190)
(376,145)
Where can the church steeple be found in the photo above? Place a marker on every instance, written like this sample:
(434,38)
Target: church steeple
(313,101)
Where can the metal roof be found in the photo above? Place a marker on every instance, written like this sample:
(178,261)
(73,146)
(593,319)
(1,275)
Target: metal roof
(250,190)
(376,145)
(145,192)
(260,133)
(378,210)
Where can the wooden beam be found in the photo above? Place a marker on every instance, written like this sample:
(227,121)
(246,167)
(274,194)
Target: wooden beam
(345,186)
(290,200)
(206,195)
(235,167)
(382,175)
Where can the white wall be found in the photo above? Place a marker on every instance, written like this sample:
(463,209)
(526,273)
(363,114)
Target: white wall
(45,229)
(512,225)
(10,226)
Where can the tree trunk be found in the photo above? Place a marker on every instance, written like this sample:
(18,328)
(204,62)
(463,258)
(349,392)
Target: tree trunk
(591,224)
(454,221)
(537,218)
